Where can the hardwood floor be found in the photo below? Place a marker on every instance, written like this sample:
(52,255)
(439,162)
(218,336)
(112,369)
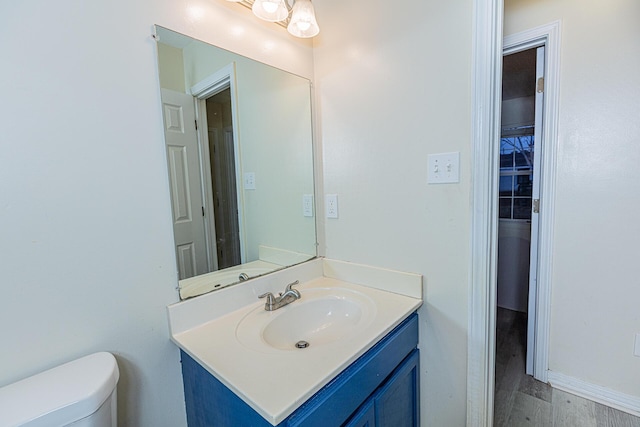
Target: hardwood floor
(522,401)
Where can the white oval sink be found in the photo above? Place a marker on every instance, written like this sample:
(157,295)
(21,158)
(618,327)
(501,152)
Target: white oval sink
(321,316)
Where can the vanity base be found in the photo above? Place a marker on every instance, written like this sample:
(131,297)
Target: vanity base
(381,388)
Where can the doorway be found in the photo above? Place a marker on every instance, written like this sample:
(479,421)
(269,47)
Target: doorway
(483,307)
(216,113)
(519,197)
(223,186)
(203,164)
(520,146)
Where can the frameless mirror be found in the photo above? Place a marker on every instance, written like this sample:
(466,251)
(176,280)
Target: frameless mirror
(238,139)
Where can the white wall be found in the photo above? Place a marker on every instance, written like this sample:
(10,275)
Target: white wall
(86,240)
(393,85)
(595,291)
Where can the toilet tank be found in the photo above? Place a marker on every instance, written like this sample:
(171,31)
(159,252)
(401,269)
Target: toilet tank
(79,393)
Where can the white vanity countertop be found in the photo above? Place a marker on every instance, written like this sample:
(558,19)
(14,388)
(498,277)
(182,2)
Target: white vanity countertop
(276,382)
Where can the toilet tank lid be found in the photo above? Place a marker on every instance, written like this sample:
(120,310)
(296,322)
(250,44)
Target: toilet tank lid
(64,394)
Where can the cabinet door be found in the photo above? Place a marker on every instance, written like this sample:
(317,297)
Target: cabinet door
(397,402)
(335,404)
(364,417)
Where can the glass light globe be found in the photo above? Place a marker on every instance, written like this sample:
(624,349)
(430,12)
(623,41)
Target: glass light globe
(270,10)
(303,20)
(270,6)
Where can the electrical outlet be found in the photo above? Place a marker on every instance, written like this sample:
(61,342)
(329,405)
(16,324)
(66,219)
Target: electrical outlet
(249,181)
(636,351)
(307,204)
(331,205)
(443,168)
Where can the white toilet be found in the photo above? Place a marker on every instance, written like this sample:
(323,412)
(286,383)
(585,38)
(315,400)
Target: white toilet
(81,393)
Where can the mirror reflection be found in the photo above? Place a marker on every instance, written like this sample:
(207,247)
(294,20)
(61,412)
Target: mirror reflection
(240,163)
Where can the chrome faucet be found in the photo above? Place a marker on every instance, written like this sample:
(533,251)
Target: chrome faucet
(275,302)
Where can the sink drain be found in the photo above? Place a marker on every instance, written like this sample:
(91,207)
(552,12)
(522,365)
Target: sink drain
(302,344)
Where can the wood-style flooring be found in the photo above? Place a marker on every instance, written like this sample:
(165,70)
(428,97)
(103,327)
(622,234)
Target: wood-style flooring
(522,401)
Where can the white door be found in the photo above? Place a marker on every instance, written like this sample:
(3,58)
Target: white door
(535,195)
(183,160)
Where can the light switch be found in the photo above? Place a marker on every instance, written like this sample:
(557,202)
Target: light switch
(249,181)
(443,168)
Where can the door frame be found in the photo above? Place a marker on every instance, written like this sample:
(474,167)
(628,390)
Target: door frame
(534,237)
(488,50)
(209,86)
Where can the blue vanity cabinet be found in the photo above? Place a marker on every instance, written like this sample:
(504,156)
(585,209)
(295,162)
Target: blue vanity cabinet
(364,417)
(379,389)
(396,402)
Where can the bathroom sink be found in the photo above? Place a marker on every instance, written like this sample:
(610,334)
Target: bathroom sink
(253,352)
(322,316)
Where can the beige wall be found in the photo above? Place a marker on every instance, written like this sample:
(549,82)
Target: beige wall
(595,290)
(86,241)
(171,68)
(394,85)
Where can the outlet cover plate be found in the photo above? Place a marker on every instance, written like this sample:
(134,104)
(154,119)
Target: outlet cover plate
(331,205)
(307,205)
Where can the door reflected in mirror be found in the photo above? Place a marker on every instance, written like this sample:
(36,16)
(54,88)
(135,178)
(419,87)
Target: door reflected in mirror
(239,149)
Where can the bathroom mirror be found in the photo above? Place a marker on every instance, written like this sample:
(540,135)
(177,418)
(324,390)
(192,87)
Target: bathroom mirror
(238,139)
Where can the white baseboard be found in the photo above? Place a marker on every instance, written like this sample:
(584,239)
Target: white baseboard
(606,396)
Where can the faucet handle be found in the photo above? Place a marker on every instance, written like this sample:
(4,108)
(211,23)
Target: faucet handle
(291,285)
(269,296)
(271,301)
(290,291)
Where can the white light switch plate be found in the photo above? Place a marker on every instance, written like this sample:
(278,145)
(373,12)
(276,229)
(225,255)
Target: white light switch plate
(249,181)
(636,351)
(443,168)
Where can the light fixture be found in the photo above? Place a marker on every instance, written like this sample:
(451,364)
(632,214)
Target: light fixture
(270,10)
(302,22)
